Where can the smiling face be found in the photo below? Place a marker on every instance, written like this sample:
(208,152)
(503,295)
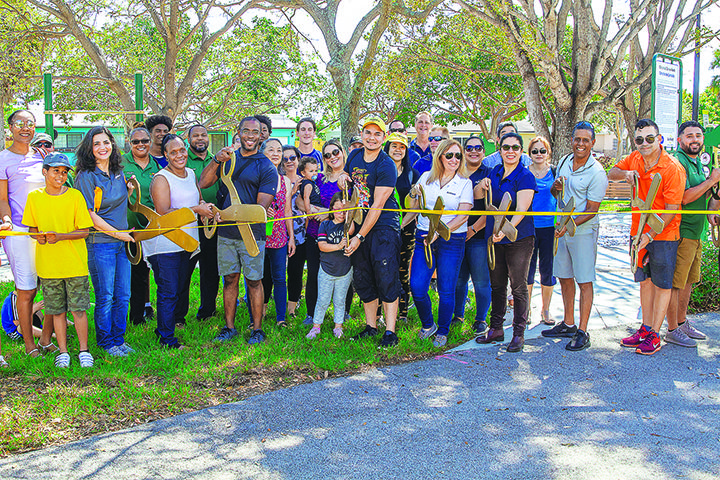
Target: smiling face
(692,140)
(250,136)
(510,151)
(582,143)
(474,156)
(648,149)
(434,142)
(397,151)
(372,137)
(305,133)
(55,178)
(176,154)
(273,151)
(199,139)
(140,144)
(23,128)
(102,147)
(422,125)
(158,133)
(290,161)
(333,157)
(338,216)
(451,165)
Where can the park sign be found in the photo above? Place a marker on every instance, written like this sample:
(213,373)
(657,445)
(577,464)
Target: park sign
(667,97)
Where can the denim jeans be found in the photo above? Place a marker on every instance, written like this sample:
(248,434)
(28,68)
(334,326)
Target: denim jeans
(170,271)
(110,273)
(447,256)
(474,265)
(331,289)
(274,276)
(209,281)
(512,261)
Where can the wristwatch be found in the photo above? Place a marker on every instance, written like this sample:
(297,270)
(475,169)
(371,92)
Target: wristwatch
(360,237)
(216,160)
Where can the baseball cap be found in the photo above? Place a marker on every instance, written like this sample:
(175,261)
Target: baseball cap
(397,138)
(57,160)
(41,137)
(355,139)
(373,120)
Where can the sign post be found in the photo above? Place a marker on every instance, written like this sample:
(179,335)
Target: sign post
(667,97)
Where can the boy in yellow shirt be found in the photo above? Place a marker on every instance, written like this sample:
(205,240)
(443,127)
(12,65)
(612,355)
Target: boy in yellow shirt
(59,218)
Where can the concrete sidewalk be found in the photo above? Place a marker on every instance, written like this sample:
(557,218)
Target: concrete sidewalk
(545,413)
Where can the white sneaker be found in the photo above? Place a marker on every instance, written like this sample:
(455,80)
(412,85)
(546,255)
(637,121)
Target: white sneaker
(86,359)
(691,331)
(62,360)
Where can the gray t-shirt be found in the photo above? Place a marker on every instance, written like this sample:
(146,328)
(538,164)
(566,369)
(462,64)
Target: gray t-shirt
(335,264)
(588,182)
(113,206)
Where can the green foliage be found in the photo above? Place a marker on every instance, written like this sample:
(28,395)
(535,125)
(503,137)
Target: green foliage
(704,296)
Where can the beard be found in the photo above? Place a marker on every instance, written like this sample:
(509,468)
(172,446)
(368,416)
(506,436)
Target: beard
(692,149)
(199,148)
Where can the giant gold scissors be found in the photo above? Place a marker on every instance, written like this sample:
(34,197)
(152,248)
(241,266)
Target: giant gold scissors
(501,223)
(351,215)
(237,212)
(169,225)
(565,221)
(435,219)
(653,220)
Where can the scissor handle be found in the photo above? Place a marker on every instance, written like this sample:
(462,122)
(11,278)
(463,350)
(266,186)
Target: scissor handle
(137,257)
(134,206)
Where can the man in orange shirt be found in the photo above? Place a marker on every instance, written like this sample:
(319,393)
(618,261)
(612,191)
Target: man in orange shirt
(658,252)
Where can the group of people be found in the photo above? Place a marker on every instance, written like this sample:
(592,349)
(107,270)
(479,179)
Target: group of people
(64,230)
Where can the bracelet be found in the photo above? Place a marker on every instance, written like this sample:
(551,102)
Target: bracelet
(216,160)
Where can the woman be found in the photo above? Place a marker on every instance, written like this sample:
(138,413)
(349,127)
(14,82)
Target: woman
(512,259)
(543,201)
(396,147)
(446,179)
(474,264)
(101,181)
(296,263)
(281,243)
(138,164)
(21,173)
(174,187)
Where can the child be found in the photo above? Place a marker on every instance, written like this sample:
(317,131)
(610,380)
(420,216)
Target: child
(335,271)
(10,322)
(59,218)
(309,191)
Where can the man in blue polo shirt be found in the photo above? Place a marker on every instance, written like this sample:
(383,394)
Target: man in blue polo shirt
(421,144)
(437,134)
(494,159)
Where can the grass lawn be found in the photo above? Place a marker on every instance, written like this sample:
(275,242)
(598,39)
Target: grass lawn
(615,206)
(41,405)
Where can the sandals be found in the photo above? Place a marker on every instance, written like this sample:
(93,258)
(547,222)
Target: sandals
(546,319)
(86,359)
(282,324)
(62,360)
(49,348)
(34,353)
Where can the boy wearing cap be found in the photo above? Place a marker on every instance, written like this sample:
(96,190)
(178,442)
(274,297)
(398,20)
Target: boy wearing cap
(375,249)
(59,219)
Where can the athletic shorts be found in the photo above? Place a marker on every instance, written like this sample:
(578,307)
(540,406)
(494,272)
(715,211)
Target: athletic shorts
(662,255)
(233,257)
(66,294)
(20,251)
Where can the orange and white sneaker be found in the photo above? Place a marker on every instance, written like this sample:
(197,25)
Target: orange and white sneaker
(650,345)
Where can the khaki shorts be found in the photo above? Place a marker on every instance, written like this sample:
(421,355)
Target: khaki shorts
(233,257)
(65,294)
(687,265)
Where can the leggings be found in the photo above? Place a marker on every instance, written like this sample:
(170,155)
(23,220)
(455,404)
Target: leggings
(295,267)
(335,289)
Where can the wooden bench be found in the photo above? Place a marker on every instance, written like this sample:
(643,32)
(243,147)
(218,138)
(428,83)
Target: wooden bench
(618,191)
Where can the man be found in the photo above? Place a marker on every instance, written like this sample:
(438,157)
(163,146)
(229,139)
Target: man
(375,249)
(265,127)
(437,135)
(396,126)
(657,252)
(355,143)
(586,182)
(692,231)
(494,158)
(305,131)
(198,158)
(43,140)
(255,179)
(421,144)
(158,126)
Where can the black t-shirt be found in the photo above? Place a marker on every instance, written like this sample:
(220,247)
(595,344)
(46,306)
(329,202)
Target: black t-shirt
(252,175)
(335,264)
(367,176)
(475,177)
(315,198)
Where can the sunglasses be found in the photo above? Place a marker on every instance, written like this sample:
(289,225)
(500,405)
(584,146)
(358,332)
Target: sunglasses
(450,155)
(397,130)
(436,139)
(535,151)
(650,139)
(331,154)
(476,148)
(143,141)
(23,124)
(44,144)
(514,148)
(291,158)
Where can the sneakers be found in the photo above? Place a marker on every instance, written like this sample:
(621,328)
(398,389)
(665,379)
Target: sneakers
(560,330)
(126,348)
(86,359)
(308,320)
(257,336)
(314,332)
(637,338)
(456,321)
(427,332)
(116,351)
(389,339)
(3,363)
(650,345)
(580,341)
(678,337)
(691,331)
(368,331)
(338,332)
(226,334)
(479,327)
(62,360)
(440,341)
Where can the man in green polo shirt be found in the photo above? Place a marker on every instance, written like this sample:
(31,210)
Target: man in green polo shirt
(198,158)
(140,164)
(692,232)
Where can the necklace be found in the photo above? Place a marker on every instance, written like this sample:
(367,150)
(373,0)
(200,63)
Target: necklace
(539,174)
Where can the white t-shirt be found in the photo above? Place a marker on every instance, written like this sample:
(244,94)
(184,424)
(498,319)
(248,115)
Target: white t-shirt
(458,190)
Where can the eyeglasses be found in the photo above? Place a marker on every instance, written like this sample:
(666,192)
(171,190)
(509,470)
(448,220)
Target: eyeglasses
(143,141)
(397,130)
(23,123)
(44,144)
(332,154)
(290,158)
(476,148)
(514,148)
(650,139)
(436,139)
(450,155)
(535,151)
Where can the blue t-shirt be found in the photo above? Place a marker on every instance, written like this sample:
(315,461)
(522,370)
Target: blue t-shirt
(419,151)
(543,201)
(424,164)
(335,264)
(478,204)
(367,176)
(316,155)
(519,179)
(113,207)
(252,175)
(161,160)
(8,317)
(405,181)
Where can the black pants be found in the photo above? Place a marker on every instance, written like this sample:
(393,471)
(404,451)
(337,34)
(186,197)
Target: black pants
(407,236)
(512,261)
(296,265)
(139,291)
(312,252)
(209,281)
